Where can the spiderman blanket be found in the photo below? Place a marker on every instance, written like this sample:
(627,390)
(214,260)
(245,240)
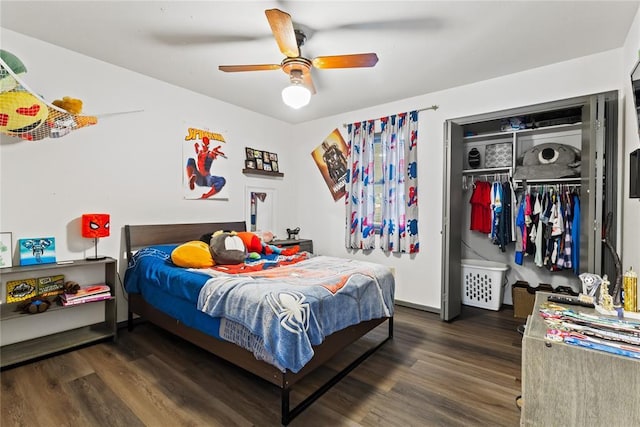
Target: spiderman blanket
(294,307)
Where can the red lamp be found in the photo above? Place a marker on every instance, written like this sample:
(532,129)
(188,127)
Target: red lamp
(94,226)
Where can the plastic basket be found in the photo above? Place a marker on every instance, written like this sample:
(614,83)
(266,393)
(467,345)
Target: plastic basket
(482,283)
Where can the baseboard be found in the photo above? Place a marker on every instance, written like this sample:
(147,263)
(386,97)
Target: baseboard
(418,306)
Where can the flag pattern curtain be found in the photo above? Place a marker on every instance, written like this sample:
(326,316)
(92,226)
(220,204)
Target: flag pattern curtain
(359,199)
(399,138)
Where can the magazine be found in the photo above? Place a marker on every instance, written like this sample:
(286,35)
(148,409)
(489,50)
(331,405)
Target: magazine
(86,291)
(91,298)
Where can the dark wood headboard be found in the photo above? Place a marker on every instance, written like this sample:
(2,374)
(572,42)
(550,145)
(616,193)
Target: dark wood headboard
(138,236)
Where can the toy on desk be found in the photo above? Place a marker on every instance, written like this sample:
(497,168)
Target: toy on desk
(606,300)
(293,234)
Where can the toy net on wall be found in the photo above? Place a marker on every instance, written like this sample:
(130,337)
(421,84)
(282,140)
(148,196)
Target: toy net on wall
(26,115)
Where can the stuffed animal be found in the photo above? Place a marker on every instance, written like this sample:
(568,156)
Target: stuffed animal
(193,254)
(549,161)
(70,105)
(71,287)
(22,114)
(227,248)
(35,305)
(254,244)
(16,66)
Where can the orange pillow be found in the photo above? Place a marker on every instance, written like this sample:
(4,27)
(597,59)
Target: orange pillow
(194,254)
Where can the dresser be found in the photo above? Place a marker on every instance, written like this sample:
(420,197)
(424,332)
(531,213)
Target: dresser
(567,385)
(305,244)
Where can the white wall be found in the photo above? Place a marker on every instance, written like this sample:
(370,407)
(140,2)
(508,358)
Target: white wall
(419,277)
(128,165)
(630,207)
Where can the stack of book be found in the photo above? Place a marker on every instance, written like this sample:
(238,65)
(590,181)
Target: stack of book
(90,293)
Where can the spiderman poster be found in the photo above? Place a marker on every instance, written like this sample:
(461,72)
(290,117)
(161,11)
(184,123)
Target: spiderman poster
(205,165)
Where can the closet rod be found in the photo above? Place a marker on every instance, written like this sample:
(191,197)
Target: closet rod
(433,107)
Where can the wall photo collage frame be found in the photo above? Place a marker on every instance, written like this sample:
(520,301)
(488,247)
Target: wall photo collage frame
(261,160)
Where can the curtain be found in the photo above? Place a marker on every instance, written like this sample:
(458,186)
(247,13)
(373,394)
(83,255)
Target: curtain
(359,199)
(399,137)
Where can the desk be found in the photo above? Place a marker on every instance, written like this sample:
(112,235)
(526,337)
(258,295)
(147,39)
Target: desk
(566,385)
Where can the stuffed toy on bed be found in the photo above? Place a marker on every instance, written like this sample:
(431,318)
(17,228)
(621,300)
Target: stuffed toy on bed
(193,254)
(549,161)
(255,244)
(224,247)
(227,248)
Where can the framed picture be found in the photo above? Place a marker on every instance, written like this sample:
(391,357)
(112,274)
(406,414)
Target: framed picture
(267,167)
(259,163)
(266,156)
(249,153)
(250,164)
(257,154)
(274,157)
(37,250)
(274,165)
(6,246)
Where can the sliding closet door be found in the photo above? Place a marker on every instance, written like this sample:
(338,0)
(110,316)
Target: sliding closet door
(451,223)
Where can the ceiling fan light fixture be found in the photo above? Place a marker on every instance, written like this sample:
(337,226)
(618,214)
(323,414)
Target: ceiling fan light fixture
(296,96)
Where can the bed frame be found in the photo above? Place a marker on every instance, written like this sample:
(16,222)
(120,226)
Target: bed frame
(138,236)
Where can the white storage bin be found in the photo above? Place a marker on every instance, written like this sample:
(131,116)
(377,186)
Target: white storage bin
(482,283)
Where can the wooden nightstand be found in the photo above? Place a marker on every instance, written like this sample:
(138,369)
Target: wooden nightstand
(305,244)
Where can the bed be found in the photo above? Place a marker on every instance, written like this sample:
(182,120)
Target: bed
(180,301)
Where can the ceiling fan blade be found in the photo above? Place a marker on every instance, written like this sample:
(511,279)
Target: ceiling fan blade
(346,61)
(308,81)
(282,29)
(257,67)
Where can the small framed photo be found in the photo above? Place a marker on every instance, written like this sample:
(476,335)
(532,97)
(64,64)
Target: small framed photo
(267,167)
(249,153)
(6,248)
(266,156)
(259,163)
(250,164)
(274,157)
(257,154)
(274,165)
(37,250)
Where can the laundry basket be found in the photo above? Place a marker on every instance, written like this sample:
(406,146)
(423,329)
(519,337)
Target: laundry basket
(482,283)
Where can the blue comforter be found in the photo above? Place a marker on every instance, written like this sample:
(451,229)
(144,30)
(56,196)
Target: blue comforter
(279,312)
(294,307)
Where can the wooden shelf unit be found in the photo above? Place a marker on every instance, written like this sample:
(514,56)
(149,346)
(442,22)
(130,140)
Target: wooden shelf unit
(103,326)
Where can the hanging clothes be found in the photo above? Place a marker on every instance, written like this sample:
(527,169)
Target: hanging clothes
(520,227)
(481,207)
(505,231)
(575,234)
(496,210)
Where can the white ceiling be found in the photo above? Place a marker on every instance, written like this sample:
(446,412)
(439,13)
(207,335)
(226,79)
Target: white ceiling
(423,46)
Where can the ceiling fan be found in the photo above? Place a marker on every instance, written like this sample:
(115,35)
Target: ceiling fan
(295,65)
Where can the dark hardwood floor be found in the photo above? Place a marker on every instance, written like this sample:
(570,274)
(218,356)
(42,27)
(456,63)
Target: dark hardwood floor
(463,373)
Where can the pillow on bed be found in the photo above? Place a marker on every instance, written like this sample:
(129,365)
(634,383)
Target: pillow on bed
(194,254)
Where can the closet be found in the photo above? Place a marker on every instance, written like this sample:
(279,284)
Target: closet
(562,151)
